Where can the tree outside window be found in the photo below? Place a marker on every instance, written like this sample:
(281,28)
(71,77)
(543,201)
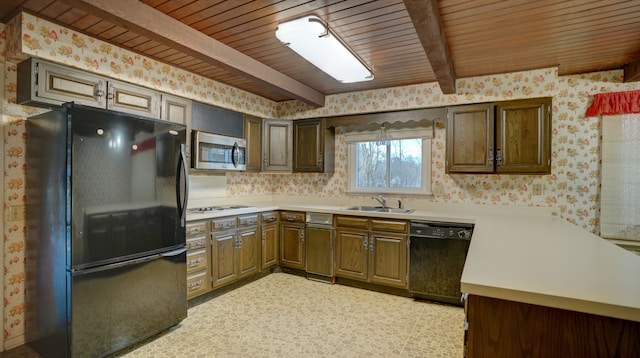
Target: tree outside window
(393,164)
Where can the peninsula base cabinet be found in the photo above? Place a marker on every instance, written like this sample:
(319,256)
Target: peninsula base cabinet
(500,328)
(372,250)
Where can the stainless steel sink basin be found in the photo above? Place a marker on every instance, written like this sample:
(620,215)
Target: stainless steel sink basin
(379,209)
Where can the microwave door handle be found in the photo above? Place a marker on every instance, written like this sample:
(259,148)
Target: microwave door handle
(235,154)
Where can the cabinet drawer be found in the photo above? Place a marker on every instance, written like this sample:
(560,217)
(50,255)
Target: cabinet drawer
(269,217)
(197,242)
(196,260)
(196,228)
(223,223)
(197,283)
(292,216)
(390,225)
(248,220)
(352,221)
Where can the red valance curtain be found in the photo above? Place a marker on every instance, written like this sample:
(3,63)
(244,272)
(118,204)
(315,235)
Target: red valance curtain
(615,103)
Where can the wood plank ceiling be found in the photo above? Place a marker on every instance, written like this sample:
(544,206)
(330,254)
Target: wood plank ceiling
(483,36)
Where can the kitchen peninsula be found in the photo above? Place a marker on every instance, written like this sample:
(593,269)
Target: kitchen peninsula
(528,259)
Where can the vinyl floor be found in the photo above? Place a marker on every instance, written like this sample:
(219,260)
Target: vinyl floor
(283,315)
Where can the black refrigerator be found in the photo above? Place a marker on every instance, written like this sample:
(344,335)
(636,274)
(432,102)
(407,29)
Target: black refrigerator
(105,249)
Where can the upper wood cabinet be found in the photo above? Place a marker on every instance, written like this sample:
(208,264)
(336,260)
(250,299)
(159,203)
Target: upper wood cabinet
(176,109)
(503,137)
(523,136)
(128,98)
(313,145)
(277,143)
(43,83)
(253,136)
(470,139)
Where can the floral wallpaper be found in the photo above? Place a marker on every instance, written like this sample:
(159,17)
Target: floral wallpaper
(572,186)
(40,38)
(527,84)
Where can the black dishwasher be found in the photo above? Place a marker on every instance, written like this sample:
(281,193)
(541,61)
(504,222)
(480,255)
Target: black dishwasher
(437,253)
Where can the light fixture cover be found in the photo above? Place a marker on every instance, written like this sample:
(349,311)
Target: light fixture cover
(311,38)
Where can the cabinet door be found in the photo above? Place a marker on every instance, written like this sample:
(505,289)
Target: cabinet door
(320,250)
(253,136)
(58,84)
(248,262)
(470,139)
(352,253)
(133,99)
(277,144)
(523,136)
(223,258)
(176,109)
(292,245)
(270,243)
(388,259)
(308,146)
(313,146)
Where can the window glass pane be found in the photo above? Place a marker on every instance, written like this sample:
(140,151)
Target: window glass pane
(371,162)
(405,167)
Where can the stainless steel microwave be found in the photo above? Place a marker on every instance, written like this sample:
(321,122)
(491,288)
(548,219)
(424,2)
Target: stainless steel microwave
(218,152)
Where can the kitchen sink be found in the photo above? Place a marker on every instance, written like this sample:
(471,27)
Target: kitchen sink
(379,209)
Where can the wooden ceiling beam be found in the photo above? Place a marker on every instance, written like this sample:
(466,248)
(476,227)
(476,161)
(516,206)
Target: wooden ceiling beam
(425,15)
(632,71)
(147,21)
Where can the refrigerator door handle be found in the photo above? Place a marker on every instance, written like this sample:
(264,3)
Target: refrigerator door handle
(116,265)
(182,204)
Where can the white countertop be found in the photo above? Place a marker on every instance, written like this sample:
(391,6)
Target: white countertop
(528,256)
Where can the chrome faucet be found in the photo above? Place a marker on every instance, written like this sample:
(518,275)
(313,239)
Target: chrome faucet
(381,200)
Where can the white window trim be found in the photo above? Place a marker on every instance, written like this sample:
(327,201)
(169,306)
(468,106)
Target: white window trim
(426,133)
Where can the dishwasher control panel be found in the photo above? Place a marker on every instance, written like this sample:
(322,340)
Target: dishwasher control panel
(441,230)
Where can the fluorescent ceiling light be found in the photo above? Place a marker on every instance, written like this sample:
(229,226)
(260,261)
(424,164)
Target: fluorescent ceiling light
(311,38)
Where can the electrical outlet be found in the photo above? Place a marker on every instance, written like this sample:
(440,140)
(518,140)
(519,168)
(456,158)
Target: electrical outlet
(537,191)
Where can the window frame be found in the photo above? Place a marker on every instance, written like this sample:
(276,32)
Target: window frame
(426,186)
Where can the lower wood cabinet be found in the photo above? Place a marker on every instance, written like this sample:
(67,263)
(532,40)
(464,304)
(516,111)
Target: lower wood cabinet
(224,258)
(234,249)
(248,245)
(223,250)
(198,269)
(270,240)
(367,253)
(292,240)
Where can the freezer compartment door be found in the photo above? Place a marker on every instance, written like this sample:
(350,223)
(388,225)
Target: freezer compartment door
(117,305)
